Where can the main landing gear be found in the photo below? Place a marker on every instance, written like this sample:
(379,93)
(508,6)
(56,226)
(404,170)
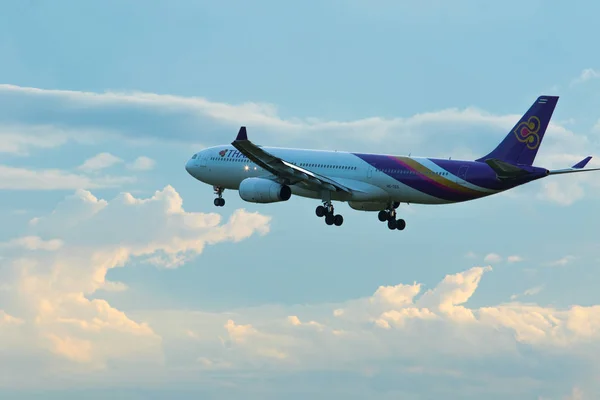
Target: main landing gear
(392,222)
(327,211)
(219,201)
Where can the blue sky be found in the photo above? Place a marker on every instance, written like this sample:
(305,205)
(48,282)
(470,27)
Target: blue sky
(106,295)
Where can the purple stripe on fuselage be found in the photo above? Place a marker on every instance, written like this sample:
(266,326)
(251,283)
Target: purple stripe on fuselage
(422,181)
(418,181)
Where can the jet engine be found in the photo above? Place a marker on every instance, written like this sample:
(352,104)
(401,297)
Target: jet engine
(260,190)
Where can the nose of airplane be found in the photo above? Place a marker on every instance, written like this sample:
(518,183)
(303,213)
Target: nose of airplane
(189,166)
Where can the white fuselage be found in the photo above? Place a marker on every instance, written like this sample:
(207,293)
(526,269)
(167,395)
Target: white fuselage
(372,189)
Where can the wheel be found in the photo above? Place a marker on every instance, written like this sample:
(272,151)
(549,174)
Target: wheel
(222,201)
(329,219)
(391,216)
(217,202)
(400,224)
(383,215)
(338,220)
(392,224)
(320,211)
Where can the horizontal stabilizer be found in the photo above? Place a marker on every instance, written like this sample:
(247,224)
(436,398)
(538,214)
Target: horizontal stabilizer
(582,163)
(505,170)
(575,168)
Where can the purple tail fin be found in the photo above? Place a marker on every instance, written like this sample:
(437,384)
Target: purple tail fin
(521,145)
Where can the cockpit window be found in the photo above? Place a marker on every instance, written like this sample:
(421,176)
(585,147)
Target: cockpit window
(194,156)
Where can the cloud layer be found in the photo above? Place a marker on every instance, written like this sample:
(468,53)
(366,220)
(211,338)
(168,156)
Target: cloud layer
(50,273)
(50,315)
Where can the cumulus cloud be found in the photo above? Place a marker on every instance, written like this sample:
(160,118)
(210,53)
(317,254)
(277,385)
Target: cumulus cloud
(142,163)
(51,286)
(52,310)
(492,258)
(430,333)
(586,75)
(100,161)
(514,259)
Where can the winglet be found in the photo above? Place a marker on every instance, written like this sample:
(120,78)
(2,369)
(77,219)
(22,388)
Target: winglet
(582,163)
(242,135)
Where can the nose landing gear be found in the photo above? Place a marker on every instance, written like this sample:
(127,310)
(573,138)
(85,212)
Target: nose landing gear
(219,201)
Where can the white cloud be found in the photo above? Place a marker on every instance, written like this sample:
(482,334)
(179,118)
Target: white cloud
(514,259)
(492,258)
(14,178)
(18,139)
(566,260)
(529,292)
(100,161)
(565,193)
(432,332)
(533,291)
(265,116)
(6,319)
(51,291)
(34,243)
(586,75)
(142,163)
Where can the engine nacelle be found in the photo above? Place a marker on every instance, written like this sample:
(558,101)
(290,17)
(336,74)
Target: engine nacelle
(368,205)
(260,190)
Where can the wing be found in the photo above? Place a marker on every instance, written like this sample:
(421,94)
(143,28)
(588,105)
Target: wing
(579,167)
(283,170)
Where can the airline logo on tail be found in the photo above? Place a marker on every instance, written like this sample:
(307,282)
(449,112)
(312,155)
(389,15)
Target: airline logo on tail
(527,132)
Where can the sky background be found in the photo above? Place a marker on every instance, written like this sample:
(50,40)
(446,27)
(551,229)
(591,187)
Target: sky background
(120,279)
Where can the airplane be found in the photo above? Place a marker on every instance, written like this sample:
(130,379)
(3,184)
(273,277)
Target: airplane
(376,182)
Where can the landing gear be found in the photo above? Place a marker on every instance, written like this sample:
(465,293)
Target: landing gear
(327,211)
(219,201)
(320,211)
(390,217)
